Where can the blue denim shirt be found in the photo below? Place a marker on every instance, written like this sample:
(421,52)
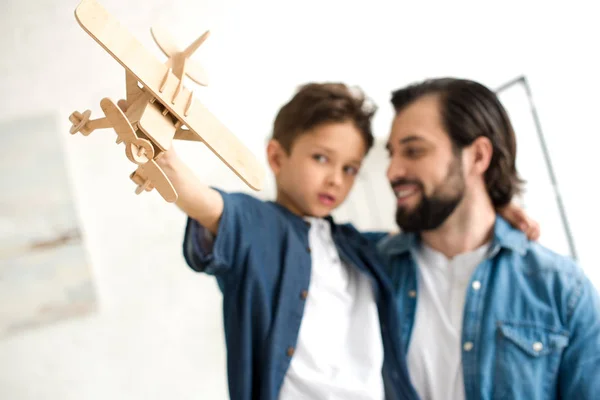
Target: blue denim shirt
(532,320)
(261,261)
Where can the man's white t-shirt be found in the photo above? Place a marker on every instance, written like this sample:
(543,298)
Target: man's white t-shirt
(434,353)
(339,353)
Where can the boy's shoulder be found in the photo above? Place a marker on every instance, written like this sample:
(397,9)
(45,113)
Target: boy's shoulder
(265,213)
(244,201)
(240,197)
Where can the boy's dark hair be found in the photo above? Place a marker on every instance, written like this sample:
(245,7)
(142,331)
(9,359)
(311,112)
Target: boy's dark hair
(470,110)
(318,103)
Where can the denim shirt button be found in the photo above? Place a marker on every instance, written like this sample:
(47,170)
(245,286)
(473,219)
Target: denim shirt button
(476,285)
(538,346)
(412,294)
(304,294)
(468,346)
(290,351)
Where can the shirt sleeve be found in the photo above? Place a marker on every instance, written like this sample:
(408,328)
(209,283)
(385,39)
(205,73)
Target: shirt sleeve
(580,365)
(224,252)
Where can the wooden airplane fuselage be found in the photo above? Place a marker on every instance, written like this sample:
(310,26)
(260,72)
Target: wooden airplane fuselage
(160,108)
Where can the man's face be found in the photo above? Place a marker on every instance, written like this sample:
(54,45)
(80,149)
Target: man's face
(425,172)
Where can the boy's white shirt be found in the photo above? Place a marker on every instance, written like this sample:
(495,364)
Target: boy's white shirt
(339,353)
(435,348)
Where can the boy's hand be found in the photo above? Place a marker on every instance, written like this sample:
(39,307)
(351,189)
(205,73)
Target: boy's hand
(122,104)
(197,200)
(165,157)
(518,218)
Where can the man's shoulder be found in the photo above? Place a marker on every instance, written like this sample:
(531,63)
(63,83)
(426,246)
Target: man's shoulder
(541,259)
(547,273)
(554,278)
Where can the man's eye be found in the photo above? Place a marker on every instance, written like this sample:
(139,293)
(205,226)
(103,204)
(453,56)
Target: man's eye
(320,158)
(413,152)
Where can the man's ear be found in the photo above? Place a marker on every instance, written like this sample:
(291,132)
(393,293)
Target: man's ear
(481,154)
(275,155)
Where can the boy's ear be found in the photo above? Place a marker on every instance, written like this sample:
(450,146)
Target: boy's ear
(275,155)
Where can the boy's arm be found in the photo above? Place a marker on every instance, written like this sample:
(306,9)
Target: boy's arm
(220,225)
(199,201)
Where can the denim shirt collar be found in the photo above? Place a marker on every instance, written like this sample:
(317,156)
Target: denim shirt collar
(301,222)
(504,236)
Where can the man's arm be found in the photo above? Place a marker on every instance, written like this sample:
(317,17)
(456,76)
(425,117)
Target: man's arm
(579,375)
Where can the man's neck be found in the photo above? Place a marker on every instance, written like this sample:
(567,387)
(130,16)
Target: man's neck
(468,228)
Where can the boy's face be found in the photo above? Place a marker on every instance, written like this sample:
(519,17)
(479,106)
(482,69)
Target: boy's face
(317,175)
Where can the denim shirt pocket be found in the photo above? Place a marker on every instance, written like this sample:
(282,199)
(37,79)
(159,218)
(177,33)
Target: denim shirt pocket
(527,359)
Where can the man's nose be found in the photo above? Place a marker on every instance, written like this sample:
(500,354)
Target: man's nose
(395,170)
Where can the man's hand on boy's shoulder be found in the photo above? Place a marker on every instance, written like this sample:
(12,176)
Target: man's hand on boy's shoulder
(519,219)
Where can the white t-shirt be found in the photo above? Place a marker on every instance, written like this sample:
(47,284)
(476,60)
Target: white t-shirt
(339,353)
(434,353)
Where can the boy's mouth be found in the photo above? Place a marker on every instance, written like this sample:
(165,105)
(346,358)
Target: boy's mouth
(326,199)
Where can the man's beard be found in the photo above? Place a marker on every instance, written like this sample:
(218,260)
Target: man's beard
(431,212)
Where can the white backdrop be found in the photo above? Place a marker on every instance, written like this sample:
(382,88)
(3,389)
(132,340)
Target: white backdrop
(158,330)
(542,196)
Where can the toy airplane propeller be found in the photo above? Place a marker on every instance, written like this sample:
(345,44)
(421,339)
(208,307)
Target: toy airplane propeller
(159,108)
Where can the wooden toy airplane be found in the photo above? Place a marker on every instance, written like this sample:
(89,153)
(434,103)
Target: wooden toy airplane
(159,108)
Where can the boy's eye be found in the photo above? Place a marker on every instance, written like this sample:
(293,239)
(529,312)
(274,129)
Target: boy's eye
(320,158)
(352,171)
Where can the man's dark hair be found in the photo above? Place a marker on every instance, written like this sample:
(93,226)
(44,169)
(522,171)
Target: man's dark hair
(470,110)
(319,103)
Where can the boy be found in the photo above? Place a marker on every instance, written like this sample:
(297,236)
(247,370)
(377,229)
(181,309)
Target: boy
(307,312)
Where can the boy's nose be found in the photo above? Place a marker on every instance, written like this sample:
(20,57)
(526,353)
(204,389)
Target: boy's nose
(336,178)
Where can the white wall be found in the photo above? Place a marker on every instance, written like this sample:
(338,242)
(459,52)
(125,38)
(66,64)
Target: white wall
(158,331)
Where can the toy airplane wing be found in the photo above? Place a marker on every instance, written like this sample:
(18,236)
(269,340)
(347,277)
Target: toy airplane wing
(148,176)
(132,89)
(159,80)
